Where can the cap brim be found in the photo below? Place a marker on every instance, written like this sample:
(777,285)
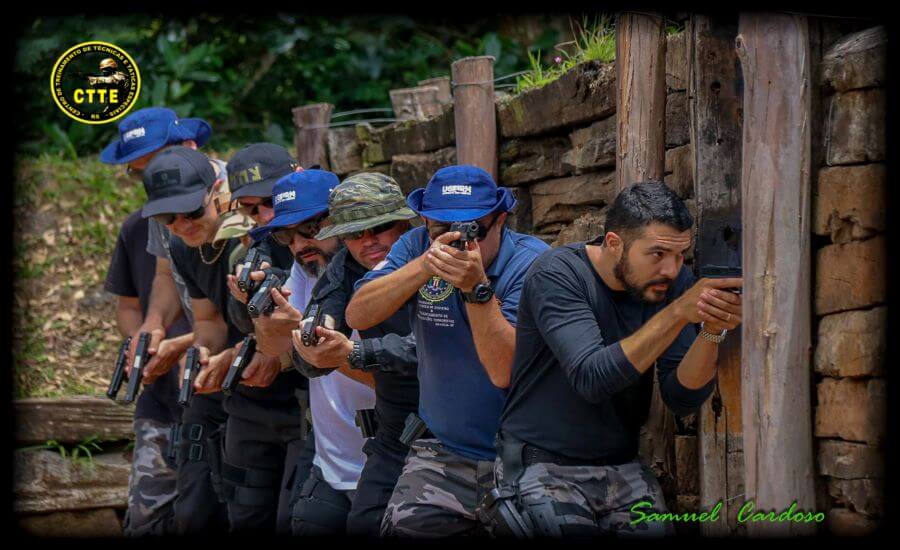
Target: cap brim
(179,204)
(349,227)
(257,189)
(110,154)
(285,220)
(505,202)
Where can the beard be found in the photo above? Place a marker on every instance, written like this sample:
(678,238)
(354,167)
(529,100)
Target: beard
(314,268)
(624,275)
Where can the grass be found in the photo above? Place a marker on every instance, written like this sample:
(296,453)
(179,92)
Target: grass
(81,453)
(594,41)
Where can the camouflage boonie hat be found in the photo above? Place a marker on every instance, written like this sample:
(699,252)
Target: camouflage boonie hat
(234,224)
(363,201)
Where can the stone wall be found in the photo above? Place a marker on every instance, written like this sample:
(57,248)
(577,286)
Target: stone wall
(848,223)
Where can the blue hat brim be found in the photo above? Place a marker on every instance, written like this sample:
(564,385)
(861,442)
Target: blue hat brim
(194,129)
(179,204)
(285,220)
(505,201)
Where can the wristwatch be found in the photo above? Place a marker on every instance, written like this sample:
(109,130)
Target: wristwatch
(360,355)
(480,293)
(355,357)
(714,338)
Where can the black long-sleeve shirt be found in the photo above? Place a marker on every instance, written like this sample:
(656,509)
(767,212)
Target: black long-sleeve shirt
(572,391)
(390,344)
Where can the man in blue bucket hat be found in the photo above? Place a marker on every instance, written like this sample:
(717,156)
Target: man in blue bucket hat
(465,305)
(301,209)
(142,135)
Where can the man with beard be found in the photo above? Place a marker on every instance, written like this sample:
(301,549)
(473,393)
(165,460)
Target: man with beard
(142,135)
(301,208)
(594,320)
(369,214)
(464,314)
(265,450)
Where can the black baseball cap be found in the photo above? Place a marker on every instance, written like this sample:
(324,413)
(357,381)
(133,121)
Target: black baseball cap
(253,171)
(176,181)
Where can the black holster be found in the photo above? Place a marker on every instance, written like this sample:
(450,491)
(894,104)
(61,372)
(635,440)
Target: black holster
(502,512)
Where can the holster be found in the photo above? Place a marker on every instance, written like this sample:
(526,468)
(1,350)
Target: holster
(367,422)
(413,428)
(174,441)
(502,512)
(303,399)
(215,450)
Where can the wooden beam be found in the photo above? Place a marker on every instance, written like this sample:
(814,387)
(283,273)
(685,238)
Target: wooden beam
(445,93)
(416,103)
(775,185)
(71,419)
(716,86)
(475,113)
(641,98)
(311,134)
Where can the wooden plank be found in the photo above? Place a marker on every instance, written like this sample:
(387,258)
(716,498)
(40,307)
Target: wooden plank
(311,133)
(47,482)
(71,419)
(417,103)
(640,98)
(775,182)
(475,113)
(445,93)
(715,114)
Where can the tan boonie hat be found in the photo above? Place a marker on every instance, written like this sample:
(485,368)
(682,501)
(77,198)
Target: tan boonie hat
(234,224)
(363,201)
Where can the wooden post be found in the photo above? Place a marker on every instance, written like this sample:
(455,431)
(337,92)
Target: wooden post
(445,94)
(716,101)
(775,185)
(415,103)
(641,100)
(641,156)
(311,133)
(474,113)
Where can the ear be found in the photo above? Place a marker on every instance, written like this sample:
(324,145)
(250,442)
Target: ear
(190,143)
(613,241)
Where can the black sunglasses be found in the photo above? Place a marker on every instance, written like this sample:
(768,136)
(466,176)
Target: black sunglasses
(307,230)
(377,230)
(253,210)
(436,229)
(169,219)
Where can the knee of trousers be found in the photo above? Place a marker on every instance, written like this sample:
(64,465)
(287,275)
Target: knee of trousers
(320,509)
(199,443)
(254,487)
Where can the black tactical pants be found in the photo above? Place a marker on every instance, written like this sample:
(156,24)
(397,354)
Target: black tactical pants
(320,510)
(198,508)
(265,452)
(384,463)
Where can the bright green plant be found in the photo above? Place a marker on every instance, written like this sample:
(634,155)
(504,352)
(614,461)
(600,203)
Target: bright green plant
(80,453)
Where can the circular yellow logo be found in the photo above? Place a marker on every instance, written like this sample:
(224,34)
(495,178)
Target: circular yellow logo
(95,82)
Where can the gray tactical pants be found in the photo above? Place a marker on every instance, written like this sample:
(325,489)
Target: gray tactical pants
(586,501)
(151,483)
(437,493)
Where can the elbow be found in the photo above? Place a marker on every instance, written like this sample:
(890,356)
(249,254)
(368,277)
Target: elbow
(353,317)
(500,380)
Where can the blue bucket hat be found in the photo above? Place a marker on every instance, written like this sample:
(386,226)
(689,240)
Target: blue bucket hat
(460,194)
(147,130)
(297,197)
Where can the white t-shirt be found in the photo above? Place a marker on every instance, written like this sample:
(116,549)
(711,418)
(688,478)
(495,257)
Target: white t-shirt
(333,400)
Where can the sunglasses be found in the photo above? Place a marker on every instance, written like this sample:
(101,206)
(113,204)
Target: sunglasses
(307,230)
(436,229)
(134,173)
(169,219)
(377,230)
(253,210)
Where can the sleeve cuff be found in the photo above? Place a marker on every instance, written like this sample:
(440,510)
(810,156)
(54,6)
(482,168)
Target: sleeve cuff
(627,371)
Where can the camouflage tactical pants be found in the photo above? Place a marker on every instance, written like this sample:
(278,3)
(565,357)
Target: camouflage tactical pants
(437,493)
(151,483)
(591,500)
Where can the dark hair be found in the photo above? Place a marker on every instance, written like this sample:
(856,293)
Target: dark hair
(641,204)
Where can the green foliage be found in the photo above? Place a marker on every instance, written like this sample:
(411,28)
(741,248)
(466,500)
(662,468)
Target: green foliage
(594,41)
(80,453)
(245,74)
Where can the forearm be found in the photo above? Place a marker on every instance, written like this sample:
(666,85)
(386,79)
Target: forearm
(698,366)
(650,341)
(212,335)
(358,375)
(377,300)
(164,307)
(128,318)
(495,340)
(183,342)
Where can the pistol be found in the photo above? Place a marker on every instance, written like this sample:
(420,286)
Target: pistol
(718,251)
(308,334)
(469,231)
(141,356)
(191,368)
(119,372)
(240,362)
(250,263)
(262,301)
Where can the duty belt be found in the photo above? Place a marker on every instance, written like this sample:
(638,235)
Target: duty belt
(533,455)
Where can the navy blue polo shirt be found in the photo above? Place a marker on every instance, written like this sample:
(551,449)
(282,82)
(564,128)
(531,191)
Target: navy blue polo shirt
(457,400)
